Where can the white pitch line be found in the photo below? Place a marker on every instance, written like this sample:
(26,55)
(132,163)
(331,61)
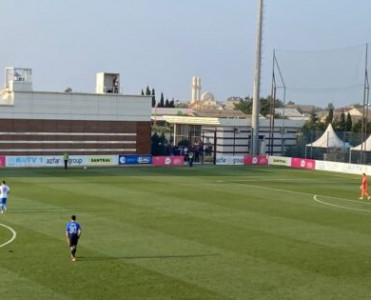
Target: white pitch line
(262,179)
(315,198)
(13,237)
(349,200)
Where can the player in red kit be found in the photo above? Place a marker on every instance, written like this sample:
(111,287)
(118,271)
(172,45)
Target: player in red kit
(364,187)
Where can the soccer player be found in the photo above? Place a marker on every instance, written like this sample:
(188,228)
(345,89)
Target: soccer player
(73,233)
(364,187)
(65,159)
(4,191)
(190,158)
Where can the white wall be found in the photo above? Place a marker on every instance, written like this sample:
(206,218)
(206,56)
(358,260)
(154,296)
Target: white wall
(77,106)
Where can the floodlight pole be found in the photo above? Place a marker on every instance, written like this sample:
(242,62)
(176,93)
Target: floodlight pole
(256,92)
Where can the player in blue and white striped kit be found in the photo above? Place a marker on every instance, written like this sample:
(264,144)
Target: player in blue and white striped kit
(73,233)
(4,191)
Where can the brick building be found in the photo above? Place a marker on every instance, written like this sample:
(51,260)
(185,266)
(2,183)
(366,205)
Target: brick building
(51,123)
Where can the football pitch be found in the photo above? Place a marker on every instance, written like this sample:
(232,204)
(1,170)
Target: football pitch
(207,232)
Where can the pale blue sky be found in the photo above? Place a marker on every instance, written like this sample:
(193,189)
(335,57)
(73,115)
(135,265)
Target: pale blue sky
(163,43)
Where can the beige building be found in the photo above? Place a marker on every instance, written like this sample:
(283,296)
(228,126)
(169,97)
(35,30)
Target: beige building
(232,136)
(51,123)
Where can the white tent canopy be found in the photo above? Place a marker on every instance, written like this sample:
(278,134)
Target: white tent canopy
(329,139)
(365,146)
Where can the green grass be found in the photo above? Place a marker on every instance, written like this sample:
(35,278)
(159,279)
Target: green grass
(207,232)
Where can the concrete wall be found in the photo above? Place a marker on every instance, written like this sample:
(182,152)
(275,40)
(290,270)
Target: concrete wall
(44,123)
(75,106)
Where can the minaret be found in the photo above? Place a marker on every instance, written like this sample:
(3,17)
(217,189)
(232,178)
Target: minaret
(196,89)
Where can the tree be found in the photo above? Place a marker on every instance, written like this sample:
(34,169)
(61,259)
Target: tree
(265,106)
(313,123)
(244,105)
(330,116)
(161,104)
(357,126)
(142,93)
(153,98)
(341,125)
(348,123)
(313,119)
(148,91)
(167,103)
(172,103)
(159,144)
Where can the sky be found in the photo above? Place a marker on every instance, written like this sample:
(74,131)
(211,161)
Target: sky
(164,43)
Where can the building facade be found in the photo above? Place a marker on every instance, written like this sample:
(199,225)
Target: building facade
(231,136)
(51,123)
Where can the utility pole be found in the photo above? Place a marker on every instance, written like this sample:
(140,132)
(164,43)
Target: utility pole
(256,91)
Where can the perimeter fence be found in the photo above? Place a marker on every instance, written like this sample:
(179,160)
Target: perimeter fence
(349,153)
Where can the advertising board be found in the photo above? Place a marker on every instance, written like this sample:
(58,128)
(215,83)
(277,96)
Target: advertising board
(135,159)
(102,160)
(303,163)
(229,160)
(43,161)
(261,160)
(279,161)
(168,160)
(2,161)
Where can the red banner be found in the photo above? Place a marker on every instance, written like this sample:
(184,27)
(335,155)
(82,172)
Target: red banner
(261,160)
(168,160)
(303,163)
(2,161)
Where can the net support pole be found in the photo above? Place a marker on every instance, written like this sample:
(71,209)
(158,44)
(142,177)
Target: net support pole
(272,105)
(365,110)
(350,155)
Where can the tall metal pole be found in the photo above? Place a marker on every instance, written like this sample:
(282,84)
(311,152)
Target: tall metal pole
(365,110)
(272,105)
(256,91)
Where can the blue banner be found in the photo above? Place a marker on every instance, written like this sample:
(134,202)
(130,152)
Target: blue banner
(135,159)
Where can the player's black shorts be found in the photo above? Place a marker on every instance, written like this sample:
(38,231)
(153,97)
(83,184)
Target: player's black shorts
(73,240)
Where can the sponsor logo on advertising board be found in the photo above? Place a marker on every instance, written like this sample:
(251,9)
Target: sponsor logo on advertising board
(73,160)
(279,161)
(135,159)
(144,159)
(229,160)
(24,161)
(102,160)
(43,161)
(2,161)
(168,160)
(303,163)
(260,160)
